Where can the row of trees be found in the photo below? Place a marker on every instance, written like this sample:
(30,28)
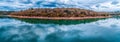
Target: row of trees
(58,12)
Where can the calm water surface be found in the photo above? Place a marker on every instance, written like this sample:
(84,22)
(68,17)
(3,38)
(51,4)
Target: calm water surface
(35,30)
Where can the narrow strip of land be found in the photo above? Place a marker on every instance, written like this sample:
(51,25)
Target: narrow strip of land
(60,18)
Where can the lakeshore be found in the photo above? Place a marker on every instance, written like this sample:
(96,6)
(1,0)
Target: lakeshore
(60,18)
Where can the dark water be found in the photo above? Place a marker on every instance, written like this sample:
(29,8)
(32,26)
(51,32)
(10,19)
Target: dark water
(35,30)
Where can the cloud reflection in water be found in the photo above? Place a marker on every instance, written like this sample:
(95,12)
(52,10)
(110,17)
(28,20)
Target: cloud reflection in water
(107,30)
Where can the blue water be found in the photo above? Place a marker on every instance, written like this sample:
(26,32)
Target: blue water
(35,30)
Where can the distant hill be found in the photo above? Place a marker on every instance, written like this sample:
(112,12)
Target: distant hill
(58,12)
(5,12)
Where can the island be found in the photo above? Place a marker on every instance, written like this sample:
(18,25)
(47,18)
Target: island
(59,13)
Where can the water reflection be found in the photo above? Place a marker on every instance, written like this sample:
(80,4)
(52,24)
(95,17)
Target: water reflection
(60,22)
(23,30)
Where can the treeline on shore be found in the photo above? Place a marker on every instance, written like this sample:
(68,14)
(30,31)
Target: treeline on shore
(58,12)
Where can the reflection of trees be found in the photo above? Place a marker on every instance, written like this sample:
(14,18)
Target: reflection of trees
(60,22)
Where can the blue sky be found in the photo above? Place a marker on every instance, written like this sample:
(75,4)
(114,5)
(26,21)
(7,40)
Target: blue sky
(97,5)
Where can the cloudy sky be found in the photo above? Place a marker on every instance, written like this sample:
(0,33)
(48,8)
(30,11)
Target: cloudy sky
(99,5)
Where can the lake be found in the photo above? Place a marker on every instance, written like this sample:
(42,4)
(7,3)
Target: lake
(36,30)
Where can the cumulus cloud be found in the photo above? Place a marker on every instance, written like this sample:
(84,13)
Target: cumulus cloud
(99,5)
(107,6)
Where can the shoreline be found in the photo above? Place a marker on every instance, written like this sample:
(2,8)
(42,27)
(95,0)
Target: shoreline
(59,18)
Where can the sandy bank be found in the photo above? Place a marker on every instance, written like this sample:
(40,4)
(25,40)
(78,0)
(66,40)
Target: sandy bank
(60,18)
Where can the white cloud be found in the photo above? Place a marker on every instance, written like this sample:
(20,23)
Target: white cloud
(107,6)
(104,5)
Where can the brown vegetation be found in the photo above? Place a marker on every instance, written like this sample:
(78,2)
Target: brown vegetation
(58,12)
